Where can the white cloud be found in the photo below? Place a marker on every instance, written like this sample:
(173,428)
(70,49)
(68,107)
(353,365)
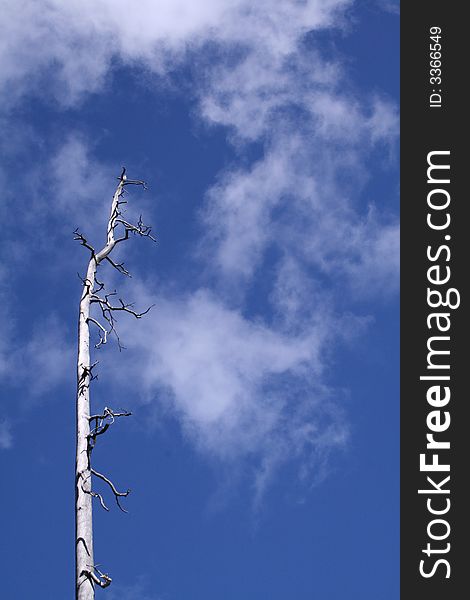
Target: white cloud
(79,186)
(73,44)
(392,6)
(42,362)
(296,200)
(237,214)
(302,197)
(6,321)
(6,438)
(243,389)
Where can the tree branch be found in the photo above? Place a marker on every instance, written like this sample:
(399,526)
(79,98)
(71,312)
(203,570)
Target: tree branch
(109,412)
(115,219)
(128,308)
(102,423)
(83,241)
(96,495)
(106,306)
(104,580)
(107,312)
(117,494)
(118,266)
(140,229)
(136,182)
(104,337)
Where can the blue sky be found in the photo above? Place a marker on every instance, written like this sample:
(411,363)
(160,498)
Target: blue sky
(263,450)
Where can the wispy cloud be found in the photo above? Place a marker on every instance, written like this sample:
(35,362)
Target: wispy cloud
(6,321)
(243,389)
(42,361)
(296,200)
(6,438)
(73,44)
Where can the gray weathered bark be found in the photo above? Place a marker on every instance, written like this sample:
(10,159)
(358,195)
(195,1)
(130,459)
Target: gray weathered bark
(87,574)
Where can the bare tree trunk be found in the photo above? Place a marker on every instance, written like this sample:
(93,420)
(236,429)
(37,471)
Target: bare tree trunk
(83,498)
(87,574)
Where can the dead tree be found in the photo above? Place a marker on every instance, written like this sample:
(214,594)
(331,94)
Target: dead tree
(91,426)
